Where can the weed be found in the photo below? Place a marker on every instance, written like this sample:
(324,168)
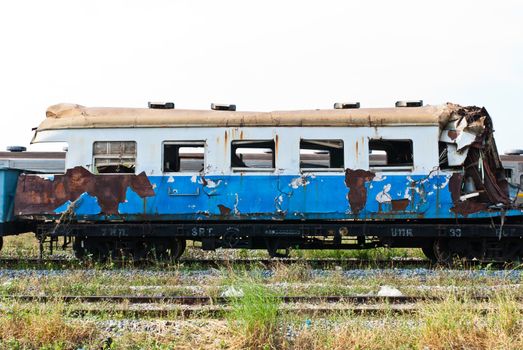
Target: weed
(458,323)
(42,327)
(255,316)
(299,272)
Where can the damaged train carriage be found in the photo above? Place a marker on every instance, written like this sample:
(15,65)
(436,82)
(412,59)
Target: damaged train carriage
(142,180)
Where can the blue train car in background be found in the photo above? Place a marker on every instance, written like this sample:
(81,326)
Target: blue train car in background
(8,180)
(143,181)
(13,163)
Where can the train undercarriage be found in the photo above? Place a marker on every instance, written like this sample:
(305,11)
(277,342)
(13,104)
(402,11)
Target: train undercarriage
(485,240)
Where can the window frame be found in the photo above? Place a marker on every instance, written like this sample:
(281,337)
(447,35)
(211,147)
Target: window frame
(251,169)
(323,170)
(112,156)
(185,143)
(390,168)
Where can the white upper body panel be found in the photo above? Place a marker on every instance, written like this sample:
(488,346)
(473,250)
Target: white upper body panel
(218,140)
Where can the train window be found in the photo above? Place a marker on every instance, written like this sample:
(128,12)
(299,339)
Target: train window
(508,174)
(252,155)
(114,157)
(321,155)
(187,156)
(390,155)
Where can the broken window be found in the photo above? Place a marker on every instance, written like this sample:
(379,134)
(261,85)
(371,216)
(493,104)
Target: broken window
(252,155)
(114,157)
(321,155)
(390,155)
(183,157)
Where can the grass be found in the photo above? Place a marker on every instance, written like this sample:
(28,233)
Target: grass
(256,321)
(24,245)
(42,326)
(254,317)
(293,279)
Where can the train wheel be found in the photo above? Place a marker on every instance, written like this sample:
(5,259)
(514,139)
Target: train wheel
(166,249)
(428,250)
(95,248)
(176,248)
(450,251)
(79,249)
(443,252)
(513,251)
(277,250)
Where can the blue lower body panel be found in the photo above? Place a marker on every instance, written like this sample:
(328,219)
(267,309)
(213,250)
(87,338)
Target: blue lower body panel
(355,195)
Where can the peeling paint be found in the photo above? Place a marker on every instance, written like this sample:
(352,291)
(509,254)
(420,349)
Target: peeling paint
(224,211)
(278,202)
(209,183)
(355,181)
(236,202)
(400,204)
(36,195)
(299,182)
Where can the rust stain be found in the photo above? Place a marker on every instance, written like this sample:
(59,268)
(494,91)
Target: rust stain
(466,207)
(355,181)
(225,142)
(399,204)
(204,181)
(224,211)
(453,134)
(36,195)
(275,146)
(455,186)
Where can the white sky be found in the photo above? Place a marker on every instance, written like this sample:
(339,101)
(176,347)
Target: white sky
(260,55)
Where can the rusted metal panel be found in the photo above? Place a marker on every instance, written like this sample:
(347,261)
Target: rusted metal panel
(400,204)
(37,195)
(355,181)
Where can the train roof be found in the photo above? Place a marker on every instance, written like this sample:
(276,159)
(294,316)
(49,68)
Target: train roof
(72,116)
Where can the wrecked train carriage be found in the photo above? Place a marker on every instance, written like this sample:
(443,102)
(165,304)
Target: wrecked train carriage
(346,178)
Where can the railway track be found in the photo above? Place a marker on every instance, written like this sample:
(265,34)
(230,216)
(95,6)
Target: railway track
(206,300)
(202,306)
(351,263)
(71,262)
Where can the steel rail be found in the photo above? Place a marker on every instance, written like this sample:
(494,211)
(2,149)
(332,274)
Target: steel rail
(206,300)
(350,263)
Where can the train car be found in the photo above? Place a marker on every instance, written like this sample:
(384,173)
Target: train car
(142,181)
(513,163)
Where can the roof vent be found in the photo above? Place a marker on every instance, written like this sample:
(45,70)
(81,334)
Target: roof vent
(222,107)
(346,105)
(514,152)
(16,148)
(418,103)
(161,105)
